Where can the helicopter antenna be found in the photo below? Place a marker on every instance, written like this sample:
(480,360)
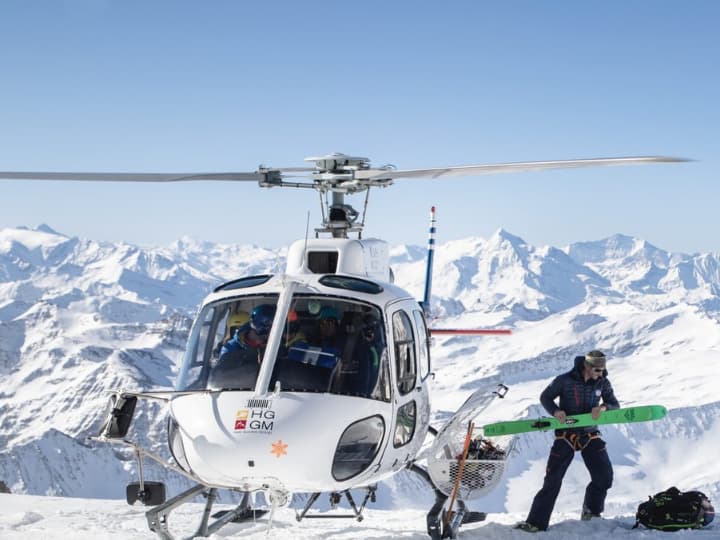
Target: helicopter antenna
(307,228)
(323,204)
(429,266)
(362,221)
(307,231)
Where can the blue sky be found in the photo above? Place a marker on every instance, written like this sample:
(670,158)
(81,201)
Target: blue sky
(227,85)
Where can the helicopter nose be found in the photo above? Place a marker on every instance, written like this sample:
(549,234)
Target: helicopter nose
(235,440)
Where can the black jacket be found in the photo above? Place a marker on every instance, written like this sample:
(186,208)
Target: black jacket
(576,395)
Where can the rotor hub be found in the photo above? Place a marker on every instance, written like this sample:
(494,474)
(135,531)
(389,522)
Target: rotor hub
(335,173)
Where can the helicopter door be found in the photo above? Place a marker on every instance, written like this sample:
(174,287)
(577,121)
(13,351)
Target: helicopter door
(407,405)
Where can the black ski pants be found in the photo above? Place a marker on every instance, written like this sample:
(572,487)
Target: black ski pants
(561,455)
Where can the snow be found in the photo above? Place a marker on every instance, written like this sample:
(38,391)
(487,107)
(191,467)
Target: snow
(44,238)
(79,317)
(54,518)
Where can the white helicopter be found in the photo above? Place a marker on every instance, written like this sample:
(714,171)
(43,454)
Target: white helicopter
(315,380)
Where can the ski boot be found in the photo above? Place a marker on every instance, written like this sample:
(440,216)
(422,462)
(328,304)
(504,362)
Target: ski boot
(587,515)
(527,527)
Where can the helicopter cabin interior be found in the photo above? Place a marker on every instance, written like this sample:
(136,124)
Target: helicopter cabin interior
(329,344)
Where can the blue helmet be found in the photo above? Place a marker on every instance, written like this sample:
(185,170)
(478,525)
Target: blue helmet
(261,319)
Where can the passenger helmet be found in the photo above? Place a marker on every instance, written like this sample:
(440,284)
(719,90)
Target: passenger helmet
(261,319)
(236,321)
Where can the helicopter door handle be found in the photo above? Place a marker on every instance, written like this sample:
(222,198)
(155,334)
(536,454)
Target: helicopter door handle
(418,389)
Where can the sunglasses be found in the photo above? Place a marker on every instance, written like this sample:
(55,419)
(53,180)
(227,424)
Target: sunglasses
(595,369)
(262,327)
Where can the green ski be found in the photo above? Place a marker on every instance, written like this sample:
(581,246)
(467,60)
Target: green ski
(643,413)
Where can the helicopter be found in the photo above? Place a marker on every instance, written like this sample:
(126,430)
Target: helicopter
(317,379)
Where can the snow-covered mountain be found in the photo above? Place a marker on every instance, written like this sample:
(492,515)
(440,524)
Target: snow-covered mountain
(78,317)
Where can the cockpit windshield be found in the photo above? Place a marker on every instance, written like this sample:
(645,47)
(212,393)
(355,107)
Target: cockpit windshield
(328,344)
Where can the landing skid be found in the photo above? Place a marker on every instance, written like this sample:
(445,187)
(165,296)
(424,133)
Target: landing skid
(251,514)
(335,498)
(157,518)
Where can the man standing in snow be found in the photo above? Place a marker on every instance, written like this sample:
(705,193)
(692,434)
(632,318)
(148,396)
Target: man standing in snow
(580,390)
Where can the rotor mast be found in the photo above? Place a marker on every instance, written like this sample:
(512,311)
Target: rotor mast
(336,173)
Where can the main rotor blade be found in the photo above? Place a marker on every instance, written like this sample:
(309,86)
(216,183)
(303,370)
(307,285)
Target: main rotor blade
(135,177)
(306,170)
(474,170)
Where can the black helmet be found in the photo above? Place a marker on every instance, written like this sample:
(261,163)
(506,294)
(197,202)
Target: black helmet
(261,319)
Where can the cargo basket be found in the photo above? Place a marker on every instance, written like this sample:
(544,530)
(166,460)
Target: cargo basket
(481,472)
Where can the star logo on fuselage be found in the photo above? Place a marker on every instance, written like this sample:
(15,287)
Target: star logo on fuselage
(279,448)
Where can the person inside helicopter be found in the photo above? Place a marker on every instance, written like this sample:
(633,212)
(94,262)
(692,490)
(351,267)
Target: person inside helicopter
(250,339)
(368,350)
(358,371)
(322,349)
(333,360)
(318,333)
(241,356)
(297,366)
(327,336)
(294,343)
(236,322)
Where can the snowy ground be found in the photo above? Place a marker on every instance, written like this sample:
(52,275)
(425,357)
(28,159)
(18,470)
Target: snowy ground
(55,518)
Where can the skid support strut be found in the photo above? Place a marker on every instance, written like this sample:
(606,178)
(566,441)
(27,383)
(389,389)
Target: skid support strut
(334,499)
(157,518)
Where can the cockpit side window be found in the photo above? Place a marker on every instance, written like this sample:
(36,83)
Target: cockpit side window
(404,343)
(194,368)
